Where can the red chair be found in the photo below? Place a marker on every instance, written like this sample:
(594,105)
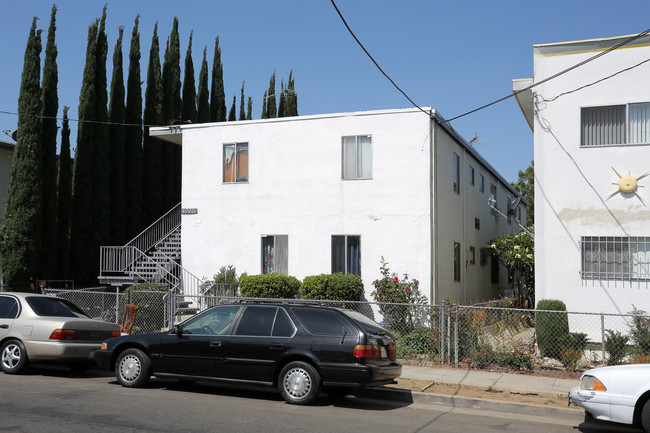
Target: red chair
(129,318)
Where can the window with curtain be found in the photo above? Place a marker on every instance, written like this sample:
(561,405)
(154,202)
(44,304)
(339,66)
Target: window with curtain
(456,182)
(346,254)
(357,157)
(615,257)
(615,125)
(235,163)
(275,254)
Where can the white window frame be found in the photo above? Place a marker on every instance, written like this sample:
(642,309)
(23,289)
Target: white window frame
(275,254)
(230,157)
(356,157)
(621,125)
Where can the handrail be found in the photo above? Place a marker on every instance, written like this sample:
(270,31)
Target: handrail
(158,230)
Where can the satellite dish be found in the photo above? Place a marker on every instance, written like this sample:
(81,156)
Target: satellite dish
(14,135)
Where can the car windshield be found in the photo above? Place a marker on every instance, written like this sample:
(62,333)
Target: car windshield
(367,323)
(54,307)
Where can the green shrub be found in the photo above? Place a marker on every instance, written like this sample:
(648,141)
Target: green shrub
(420,341)
(332,287)
(482,356)
(515,354)
(640,330)
(551,328)
(573,348)
(616,347)
(269,286)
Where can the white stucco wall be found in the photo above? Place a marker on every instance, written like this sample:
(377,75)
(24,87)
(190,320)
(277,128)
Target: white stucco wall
(573,184)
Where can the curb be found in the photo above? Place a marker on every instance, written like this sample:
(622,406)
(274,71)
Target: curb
(445,401)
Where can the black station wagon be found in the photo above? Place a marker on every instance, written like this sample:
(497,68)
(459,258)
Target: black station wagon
(300,349)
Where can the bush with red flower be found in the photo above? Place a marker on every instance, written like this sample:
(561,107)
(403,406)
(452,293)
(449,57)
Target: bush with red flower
(396,297)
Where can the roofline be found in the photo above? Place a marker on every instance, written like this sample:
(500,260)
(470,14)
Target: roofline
(5,145)
(173,133)
(588,45)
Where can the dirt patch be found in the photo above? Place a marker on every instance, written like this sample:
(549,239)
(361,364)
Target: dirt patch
(557,400)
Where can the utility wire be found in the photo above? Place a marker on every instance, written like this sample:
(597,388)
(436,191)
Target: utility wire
(373,60)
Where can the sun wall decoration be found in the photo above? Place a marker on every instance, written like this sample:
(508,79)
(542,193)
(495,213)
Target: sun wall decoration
(628,185)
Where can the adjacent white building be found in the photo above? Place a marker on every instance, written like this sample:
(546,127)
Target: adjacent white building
(592,164)
(336,192)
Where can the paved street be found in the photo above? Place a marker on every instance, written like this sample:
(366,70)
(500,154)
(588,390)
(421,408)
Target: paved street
(53,399)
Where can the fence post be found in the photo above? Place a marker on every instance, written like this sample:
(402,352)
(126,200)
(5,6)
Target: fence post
(442,332)
(602,336)
(456,335)
(449,338)
(172,303)
(117,305)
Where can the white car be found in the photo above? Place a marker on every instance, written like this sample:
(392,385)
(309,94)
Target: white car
(618,394)
(37,327)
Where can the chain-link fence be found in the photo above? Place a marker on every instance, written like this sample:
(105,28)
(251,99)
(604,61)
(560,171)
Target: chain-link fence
(552,343)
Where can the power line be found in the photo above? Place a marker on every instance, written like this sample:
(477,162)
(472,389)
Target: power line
(78,120)
(373,60)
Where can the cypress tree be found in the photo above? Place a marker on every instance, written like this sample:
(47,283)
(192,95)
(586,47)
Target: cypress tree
(231,114)
(203,96)
(82,224)
(242,112)
(133,139)
(283,100)
(217,93)
(50,101)
(172,109)
(271,110)
(292,98)
(21,229)
(189,88)
(116,116)
(64,202)
(249,111)
(101,164)
(265,113)
(152,150)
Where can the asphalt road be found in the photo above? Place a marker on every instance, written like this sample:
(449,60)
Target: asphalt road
(53,399)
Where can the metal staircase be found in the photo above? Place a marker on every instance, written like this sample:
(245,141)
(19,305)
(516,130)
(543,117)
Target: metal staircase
(153,256)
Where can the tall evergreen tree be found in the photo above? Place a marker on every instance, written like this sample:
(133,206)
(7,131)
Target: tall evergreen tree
(50,101)
(203,96)
(242,112)
(20,237)
(271,107)
(283,100)
(292,98)
(188,111)
(133,139)
(231,114)
(265,112)
(101,163)
(82,224)
(116,116)
(249,110)
(64,201)
(172,109)
(152,150)
(217,93)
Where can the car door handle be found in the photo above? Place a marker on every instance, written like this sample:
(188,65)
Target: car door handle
(215,344)
(4,326)
(277,346)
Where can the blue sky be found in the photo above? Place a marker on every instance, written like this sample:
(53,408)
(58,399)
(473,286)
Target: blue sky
(453,56)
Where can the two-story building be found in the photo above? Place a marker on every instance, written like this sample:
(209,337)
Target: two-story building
(336,193)
(592,172)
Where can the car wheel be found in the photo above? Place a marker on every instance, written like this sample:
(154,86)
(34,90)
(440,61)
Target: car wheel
(13,357)
(133,368)
(299,383)
(645,417)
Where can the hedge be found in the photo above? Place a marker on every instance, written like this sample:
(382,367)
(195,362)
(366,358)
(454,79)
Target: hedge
(269,286)
(333,287)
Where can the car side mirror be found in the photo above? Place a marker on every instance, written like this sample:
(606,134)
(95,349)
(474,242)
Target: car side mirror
(178,330)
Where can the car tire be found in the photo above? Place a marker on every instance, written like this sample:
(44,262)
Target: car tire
(645,417)
(299,383)
(133,368)
(13,357)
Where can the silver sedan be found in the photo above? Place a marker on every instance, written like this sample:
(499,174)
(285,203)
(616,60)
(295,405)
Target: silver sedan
(37,327)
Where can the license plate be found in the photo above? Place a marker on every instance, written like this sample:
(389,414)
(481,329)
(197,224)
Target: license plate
(383,352)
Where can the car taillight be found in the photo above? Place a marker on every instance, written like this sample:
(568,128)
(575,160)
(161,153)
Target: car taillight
(64,334)
(392,351)
(367,351)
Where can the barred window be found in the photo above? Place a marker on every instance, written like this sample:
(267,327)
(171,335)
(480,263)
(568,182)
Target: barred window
(615,258)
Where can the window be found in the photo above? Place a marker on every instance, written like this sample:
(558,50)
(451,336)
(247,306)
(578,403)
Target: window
(615,125)
(481,183)
(483,256)
(257,321)
(325,322)
(615,258)
(494,270)
(275,255)
(477,223)
(493,198)
(346,254)
(357,157)
(456,261)
(8,307)
(472,255)
(471,175)
(456,174)
(235,163)
(215,321)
